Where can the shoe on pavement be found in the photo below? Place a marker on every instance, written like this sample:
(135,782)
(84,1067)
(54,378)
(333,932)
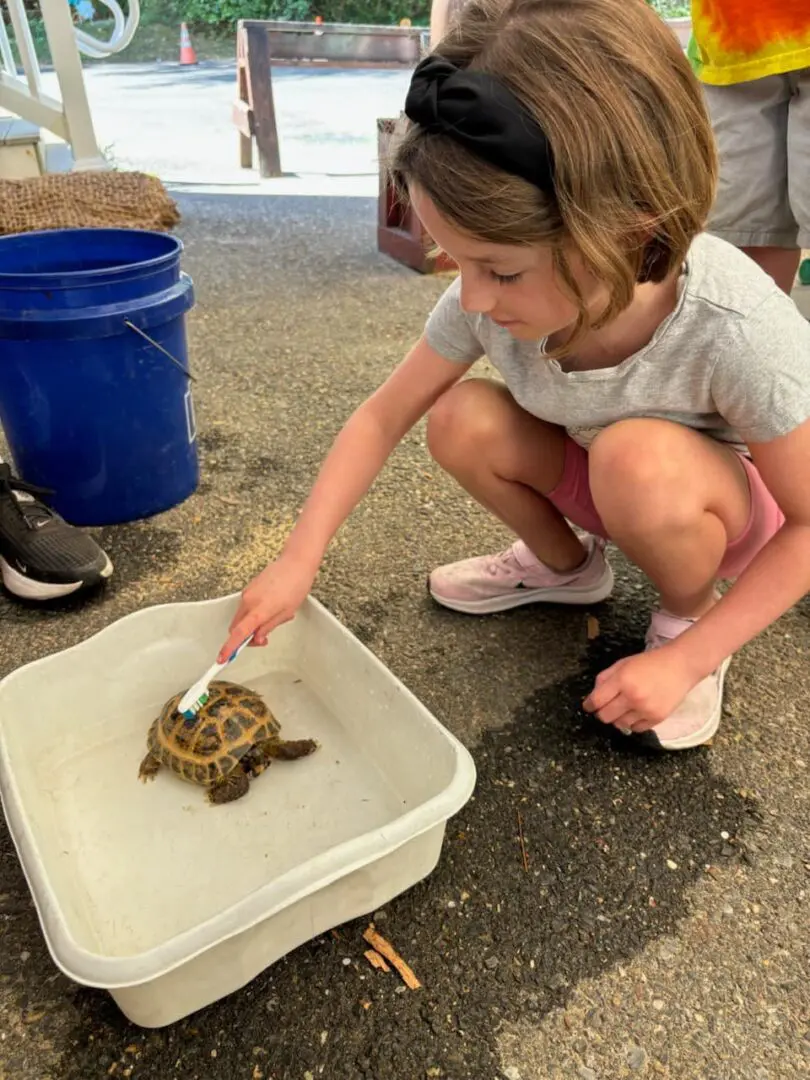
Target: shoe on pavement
(697,718)
(41,556)
(487,584)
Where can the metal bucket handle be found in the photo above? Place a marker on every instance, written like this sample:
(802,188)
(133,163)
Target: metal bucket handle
(160,348)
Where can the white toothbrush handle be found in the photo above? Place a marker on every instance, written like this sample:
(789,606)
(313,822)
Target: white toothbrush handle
(215,669)
(201,686)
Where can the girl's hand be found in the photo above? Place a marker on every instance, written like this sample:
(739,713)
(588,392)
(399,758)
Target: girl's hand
(641,691)
(272,598)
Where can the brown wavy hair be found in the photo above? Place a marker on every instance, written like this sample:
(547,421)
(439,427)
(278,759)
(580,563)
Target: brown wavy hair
(634,154)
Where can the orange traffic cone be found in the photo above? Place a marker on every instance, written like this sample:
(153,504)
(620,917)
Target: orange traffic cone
(187,54)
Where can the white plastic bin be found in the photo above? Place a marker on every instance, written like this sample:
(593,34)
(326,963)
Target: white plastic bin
(168,902)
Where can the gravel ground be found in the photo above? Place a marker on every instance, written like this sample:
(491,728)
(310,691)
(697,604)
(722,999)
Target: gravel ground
(658,925)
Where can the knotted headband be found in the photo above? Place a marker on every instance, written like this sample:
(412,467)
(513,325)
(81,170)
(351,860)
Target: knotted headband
(480,113)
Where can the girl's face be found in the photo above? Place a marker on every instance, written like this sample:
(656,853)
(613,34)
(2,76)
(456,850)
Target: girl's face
(517,287)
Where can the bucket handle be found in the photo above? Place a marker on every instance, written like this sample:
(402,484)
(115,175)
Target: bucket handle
(160,348)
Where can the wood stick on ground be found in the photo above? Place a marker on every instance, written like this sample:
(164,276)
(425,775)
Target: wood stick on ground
(522,843)
(593,627)
(393,957)
(376,960)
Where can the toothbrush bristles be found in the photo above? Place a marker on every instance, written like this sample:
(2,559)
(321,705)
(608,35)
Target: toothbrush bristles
(195,708)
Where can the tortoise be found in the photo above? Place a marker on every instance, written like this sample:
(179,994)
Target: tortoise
(231,740)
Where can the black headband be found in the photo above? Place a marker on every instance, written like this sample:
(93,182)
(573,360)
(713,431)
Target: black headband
(483,115)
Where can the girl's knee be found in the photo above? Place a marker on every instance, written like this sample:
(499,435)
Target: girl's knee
(635,450)
(637,469)
(464,417)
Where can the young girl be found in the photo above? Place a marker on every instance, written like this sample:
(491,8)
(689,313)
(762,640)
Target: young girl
(656,382)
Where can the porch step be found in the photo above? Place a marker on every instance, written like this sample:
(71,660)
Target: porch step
(26,151)
(19,149)
(13,130)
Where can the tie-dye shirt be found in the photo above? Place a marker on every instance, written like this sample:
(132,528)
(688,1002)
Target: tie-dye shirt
(739,40)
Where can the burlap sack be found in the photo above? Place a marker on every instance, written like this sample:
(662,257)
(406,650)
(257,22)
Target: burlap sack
(126,200)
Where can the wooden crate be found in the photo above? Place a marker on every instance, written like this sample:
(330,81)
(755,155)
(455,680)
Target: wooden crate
(399,231)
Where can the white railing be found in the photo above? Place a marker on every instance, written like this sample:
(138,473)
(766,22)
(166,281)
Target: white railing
(123,32)
(70,118)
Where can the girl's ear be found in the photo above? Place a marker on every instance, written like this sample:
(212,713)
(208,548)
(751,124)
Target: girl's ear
(653,253)
(654,260)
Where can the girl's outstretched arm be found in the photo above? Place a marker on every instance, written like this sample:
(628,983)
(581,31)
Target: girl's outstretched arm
(356,458)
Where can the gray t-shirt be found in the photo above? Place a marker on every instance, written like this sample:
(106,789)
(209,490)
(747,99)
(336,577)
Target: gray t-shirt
(733,358)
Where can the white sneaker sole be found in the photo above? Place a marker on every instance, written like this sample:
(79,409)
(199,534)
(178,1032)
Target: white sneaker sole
(563,594)
(709,729)
(29,589)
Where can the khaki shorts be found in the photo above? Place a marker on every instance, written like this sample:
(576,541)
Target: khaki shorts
(762,129)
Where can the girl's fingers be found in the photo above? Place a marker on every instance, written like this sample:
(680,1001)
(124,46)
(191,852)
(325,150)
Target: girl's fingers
(253,621)
(264,628)
(615,710)
(641,723)
(267,628)
(631,721)
(241,629)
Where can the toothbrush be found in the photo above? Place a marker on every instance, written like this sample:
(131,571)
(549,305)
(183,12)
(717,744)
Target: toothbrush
(197,695)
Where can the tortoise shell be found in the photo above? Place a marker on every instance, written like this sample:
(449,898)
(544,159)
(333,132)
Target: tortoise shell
(208,746)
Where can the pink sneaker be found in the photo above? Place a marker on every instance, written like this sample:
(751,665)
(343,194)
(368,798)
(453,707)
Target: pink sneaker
(697,718)
(490,583)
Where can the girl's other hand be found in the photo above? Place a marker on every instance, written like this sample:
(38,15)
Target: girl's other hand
(640,692)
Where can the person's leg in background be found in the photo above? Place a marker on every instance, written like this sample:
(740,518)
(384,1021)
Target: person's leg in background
(755,128)
(799,155)
(42,557)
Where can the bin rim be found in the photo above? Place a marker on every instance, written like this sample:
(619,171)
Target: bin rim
(49,278)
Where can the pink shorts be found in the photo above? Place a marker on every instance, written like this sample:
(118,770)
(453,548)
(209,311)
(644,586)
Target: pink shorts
(572,497)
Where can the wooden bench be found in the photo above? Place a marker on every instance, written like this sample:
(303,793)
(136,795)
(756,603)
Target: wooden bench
(261,43)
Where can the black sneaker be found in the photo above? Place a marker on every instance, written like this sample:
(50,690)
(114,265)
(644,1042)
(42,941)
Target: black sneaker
(41,556)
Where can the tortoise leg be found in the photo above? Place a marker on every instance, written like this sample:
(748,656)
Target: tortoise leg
(258,759)
(254,762)
(230,787)
(289,749)
(149,767)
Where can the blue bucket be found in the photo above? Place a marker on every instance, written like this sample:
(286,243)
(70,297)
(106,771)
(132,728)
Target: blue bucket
(95,391)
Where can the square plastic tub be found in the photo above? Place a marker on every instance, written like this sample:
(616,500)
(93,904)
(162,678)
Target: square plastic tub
(168,902)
